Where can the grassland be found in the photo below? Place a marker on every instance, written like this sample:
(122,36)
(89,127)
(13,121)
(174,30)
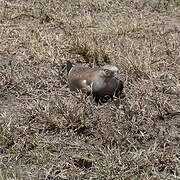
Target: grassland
(48,132)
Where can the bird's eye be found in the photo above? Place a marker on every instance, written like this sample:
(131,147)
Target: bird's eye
(108,72)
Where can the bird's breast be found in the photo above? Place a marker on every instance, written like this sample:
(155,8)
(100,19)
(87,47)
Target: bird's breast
(103,87)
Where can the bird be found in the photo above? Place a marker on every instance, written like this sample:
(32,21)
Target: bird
(102,82)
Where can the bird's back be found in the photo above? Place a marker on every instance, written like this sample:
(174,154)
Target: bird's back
(81,78)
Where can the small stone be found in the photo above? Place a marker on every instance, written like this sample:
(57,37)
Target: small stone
(81,161)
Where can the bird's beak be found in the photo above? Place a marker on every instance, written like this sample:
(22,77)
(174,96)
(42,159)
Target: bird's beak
(120,77)
(117,76)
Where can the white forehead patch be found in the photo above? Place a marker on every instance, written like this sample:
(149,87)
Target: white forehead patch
(111,68)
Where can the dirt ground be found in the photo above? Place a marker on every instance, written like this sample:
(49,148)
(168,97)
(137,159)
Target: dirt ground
(48,132)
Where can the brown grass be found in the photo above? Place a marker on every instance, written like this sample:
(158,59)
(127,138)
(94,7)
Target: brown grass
(48,132)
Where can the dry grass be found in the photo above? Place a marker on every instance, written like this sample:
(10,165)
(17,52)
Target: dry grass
(48,132)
